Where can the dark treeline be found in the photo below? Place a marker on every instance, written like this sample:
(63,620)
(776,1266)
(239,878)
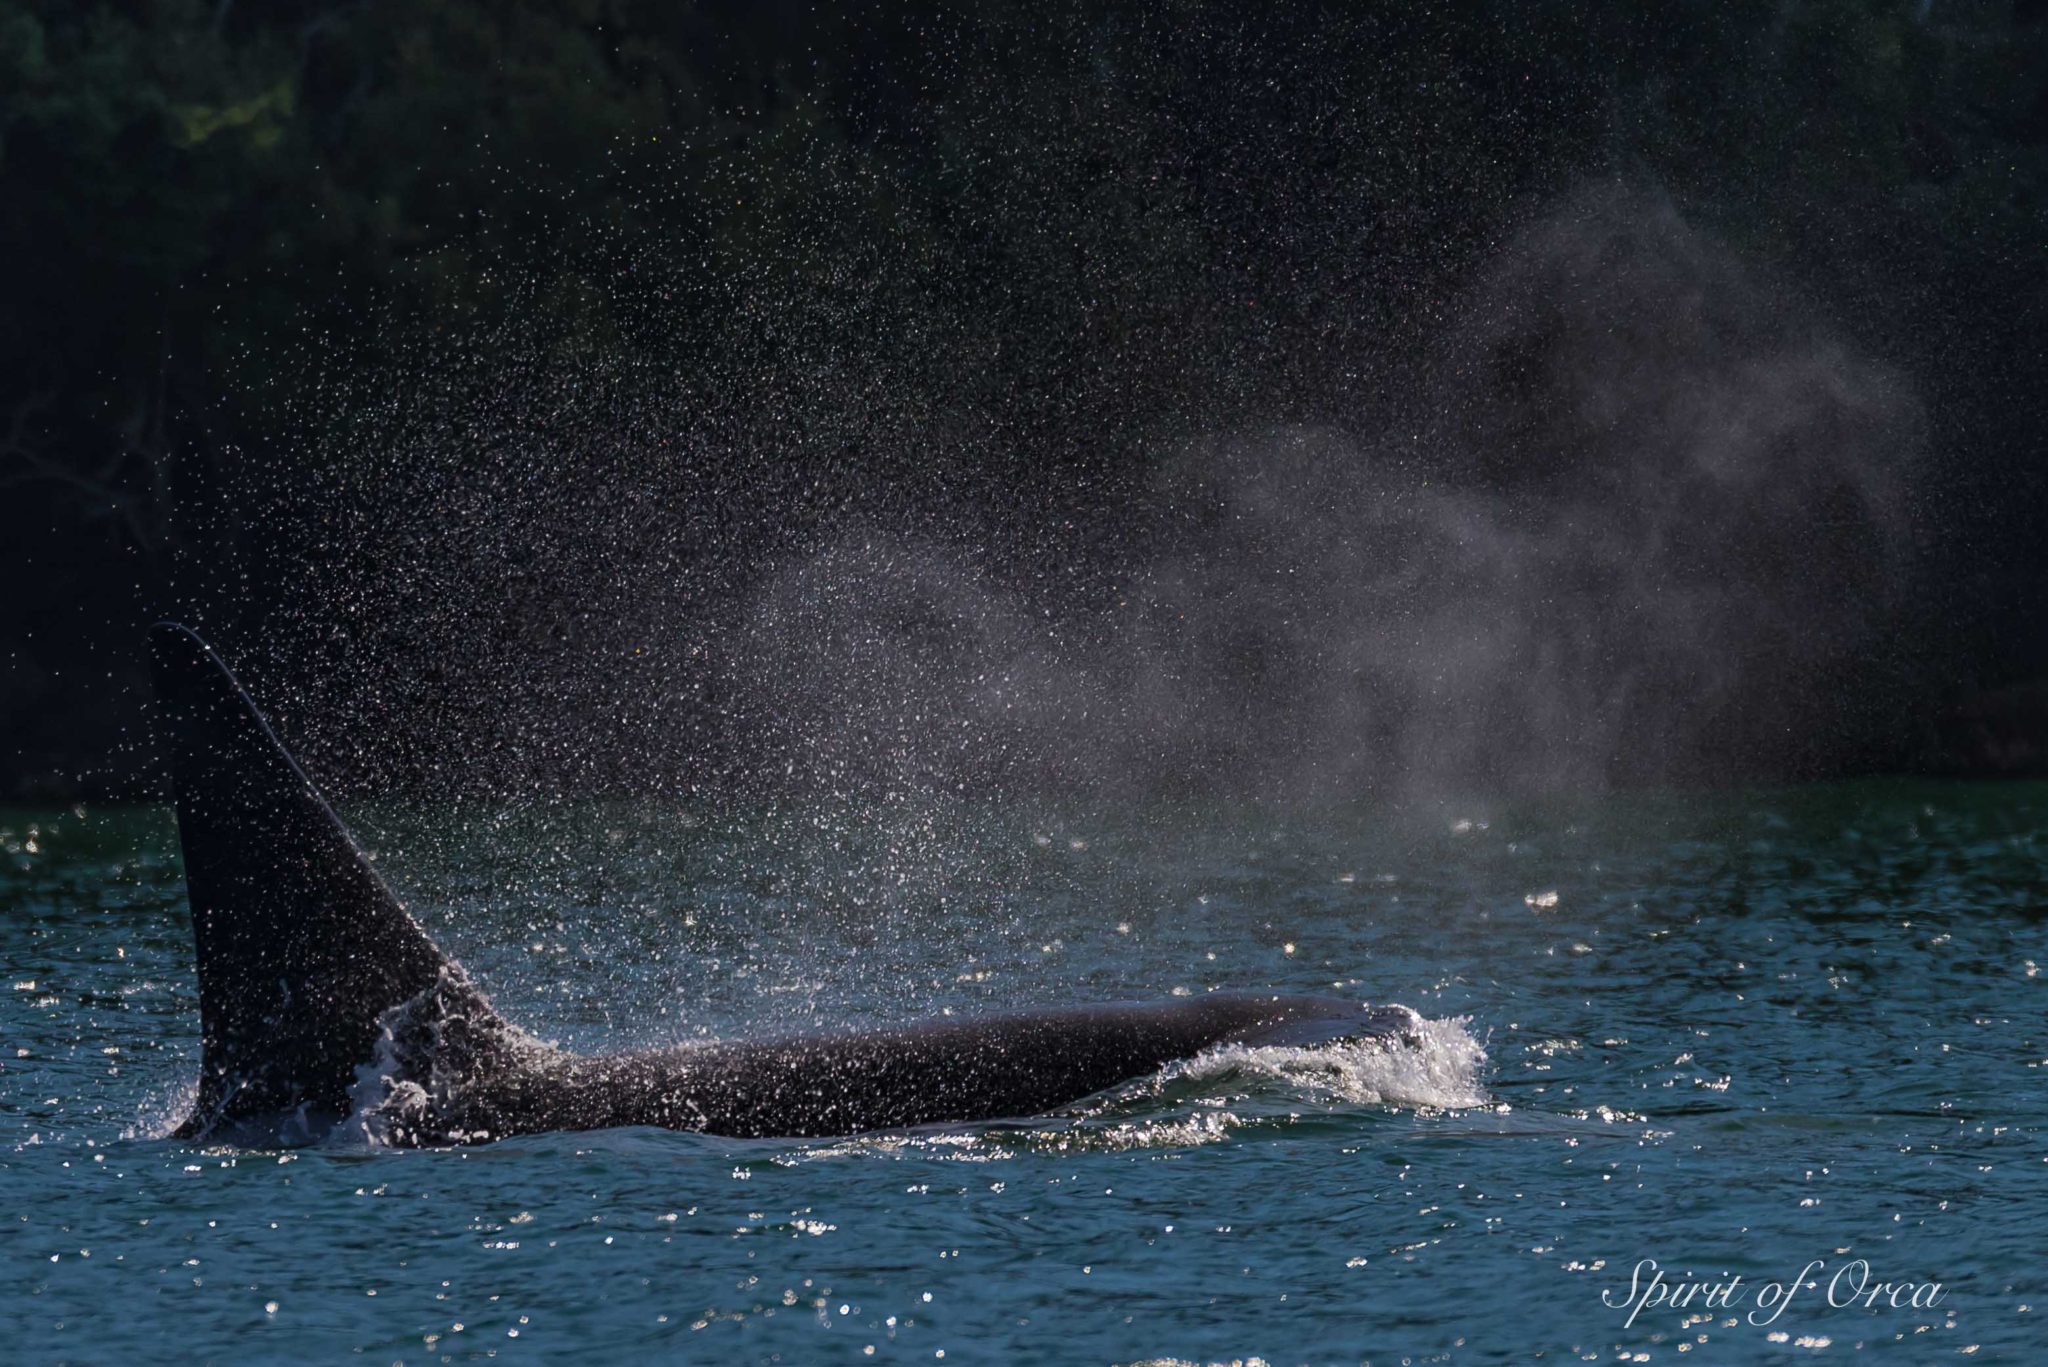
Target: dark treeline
(371,334)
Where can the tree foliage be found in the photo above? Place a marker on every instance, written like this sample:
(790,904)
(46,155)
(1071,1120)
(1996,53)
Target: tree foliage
(1066,228)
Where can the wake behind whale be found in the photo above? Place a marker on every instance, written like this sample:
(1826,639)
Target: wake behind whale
(321,997)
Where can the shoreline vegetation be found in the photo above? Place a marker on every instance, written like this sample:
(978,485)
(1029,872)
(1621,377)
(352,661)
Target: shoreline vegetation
(510,385)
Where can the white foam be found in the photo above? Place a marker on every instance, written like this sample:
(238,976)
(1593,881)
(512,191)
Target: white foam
(429,1050)
(164,1109)
(1440,1070)
(384,1104)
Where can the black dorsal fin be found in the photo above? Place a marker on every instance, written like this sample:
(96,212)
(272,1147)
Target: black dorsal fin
(301,946)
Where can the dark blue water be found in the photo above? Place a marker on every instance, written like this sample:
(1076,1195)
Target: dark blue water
(1743,1036)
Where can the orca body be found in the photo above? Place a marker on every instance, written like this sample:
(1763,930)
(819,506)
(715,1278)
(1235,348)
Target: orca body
(315,983)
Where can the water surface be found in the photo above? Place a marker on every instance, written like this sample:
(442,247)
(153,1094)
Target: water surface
(1737,1035)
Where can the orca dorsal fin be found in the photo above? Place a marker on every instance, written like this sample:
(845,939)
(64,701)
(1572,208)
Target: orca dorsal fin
(301,947)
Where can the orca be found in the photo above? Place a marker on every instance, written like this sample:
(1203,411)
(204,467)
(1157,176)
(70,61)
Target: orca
(321,997)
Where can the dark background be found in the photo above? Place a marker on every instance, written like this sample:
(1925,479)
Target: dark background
(615,396)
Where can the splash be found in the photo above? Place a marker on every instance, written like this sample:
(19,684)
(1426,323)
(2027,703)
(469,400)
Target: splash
(164,1108)
(1221,1092)
(1438,1071)
(419,1086)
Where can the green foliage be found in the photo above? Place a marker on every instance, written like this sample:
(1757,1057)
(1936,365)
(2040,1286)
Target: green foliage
(1029,243)
(187,184)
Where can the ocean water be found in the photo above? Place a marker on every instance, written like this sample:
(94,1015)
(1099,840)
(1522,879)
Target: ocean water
(1786,1046)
